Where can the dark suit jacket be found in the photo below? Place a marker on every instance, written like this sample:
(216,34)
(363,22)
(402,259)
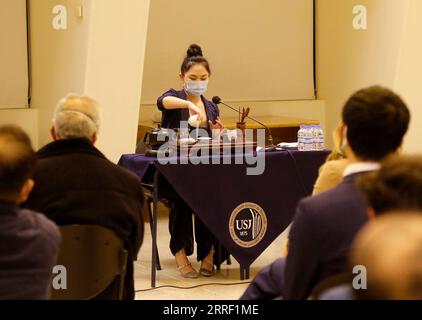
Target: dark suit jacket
(29,244)
(171,118)
(76,184)
(323,229)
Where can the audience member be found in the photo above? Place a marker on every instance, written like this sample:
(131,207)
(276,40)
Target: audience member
(396,187)
(325,225)
(390,250)
(29,242)
(331,172)
(76,184)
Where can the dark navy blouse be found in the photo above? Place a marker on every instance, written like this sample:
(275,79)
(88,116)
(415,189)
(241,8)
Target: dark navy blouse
(171,117)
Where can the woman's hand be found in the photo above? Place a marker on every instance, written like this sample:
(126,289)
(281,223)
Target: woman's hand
(194,109)
(218,124)
(217,128)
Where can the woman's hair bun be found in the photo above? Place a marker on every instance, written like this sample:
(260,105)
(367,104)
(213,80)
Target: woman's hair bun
(194,51)
(194,56)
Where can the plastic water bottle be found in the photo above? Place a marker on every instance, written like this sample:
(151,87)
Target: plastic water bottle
(309,138)
(318,134)
(305,138)
(314,140)
(301,138)
(321,139)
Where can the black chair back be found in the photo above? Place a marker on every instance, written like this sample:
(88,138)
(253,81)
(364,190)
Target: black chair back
(93,257)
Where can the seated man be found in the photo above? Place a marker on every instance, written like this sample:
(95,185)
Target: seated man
(396,187)
(76,184)
(29,242)
(375,121)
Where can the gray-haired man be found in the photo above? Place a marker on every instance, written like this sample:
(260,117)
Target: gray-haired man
(76,184)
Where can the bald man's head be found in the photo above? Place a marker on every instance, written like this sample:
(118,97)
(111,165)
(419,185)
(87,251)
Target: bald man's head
(17,162)
(390,248)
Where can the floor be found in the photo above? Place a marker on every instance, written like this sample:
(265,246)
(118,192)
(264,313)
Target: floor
(224,285)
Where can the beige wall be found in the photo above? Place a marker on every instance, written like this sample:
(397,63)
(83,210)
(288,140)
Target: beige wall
(13,54)
(101,55)
(409,73)
(58,58)
(58,67)
(25,118)
(388,53)
(114,70)
(349,59)
(259,50)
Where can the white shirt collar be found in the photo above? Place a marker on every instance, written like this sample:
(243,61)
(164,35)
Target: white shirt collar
(361,167)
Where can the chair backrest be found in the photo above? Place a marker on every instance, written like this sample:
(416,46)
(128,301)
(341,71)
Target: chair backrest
(93,257)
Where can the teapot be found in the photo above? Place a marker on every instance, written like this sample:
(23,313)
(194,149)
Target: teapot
(158,136)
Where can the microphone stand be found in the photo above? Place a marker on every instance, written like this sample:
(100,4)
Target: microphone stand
(271,146)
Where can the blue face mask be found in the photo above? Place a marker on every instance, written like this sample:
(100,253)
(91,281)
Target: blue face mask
(196,88)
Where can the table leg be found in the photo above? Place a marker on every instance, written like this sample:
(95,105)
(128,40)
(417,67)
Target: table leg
(244,273)
(151,222)
(218,262)
(158,260)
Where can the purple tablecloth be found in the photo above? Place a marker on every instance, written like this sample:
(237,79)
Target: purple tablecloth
(246,213)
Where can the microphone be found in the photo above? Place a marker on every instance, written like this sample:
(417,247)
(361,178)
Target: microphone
(271,146)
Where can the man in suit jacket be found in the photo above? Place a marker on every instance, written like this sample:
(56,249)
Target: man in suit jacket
(76,184)
(29,242)
(395,188)
(375,121)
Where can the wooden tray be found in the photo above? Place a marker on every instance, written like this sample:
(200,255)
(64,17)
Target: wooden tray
(214,147)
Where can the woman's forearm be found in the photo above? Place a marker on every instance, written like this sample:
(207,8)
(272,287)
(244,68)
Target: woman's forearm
(175,103)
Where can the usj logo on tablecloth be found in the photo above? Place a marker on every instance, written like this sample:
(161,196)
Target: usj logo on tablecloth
(248,224)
